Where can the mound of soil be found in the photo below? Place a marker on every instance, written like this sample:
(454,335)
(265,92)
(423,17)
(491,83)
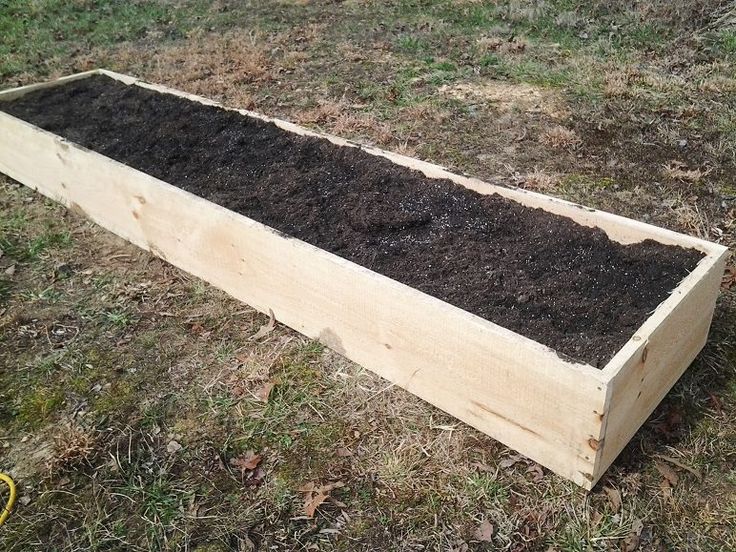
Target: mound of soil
(541,275)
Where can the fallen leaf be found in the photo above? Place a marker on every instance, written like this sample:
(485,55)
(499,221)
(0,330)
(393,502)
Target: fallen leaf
(246,544)
(264,391)
(535,470)
(481,467)
(596,518)
(510,461)
(715,402)
(632,541)
(666,489)
(729,278)
(316,496)
(614,498)
(10,270)
(173,447)
(342,452)
(255,477)
(249,460)
(670,423)
(266,328)
(314,501)
(679,464)
(484,532)
(667,472)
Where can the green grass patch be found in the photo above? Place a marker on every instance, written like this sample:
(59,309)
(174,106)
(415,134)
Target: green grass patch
(36,33)
(539,73)
(485,487)
(412,44)
(119,318)
(6,287)
(727,42)
(37,406)
(24,250)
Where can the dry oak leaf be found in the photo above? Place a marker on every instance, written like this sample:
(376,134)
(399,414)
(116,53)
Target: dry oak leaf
(264,391)
(667,472)
(484,531)
(247,461)
(510,461)
(316,495)
(266,328)
(536,472)
(729,278)
(682,465)
(614,498)
(632,541)
(343,452)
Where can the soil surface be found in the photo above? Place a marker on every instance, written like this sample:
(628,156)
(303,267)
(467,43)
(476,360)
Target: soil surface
(541,275)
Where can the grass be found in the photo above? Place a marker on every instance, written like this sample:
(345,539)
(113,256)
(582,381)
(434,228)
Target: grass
(36,33)
(588,101)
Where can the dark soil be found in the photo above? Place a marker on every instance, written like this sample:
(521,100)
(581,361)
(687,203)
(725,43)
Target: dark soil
(543,276)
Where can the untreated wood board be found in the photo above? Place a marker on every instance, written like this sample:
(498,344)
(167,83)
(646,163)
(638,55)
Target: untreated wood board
(506,385)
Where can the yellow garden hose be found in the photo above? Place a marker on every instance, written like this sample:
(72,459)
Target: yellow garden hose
(9,506)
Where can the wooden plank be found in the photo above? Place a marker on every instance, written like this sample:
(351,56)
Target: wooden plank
(660,358)
(503,384)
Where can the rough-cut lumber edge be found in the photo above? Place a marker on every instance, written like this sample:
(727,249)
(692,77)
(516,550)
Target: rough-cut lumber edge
(506,385)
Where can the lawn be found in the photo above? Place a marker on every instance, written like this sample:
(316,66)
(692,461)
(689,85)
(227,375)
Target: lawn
(141,409)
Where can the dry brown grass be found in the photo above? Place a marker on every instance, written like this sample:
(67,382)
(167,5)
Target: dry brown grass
(618,83)
(516,45)
(218,65)
(325,112)
(679,171)
(72,445)
(339,118)
(489,43)
(559,137)
(540,181)
(510,98)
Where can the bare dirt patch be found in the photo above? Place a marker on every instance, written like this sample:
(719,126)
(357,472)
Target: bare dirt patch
(509,97)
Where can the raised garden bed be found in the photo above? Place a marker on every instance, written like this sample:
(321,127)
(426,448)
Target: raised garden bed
(552,327)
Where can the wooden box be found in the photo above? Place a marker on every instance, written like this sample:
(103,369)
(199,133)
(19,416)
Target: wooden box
(571,418)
